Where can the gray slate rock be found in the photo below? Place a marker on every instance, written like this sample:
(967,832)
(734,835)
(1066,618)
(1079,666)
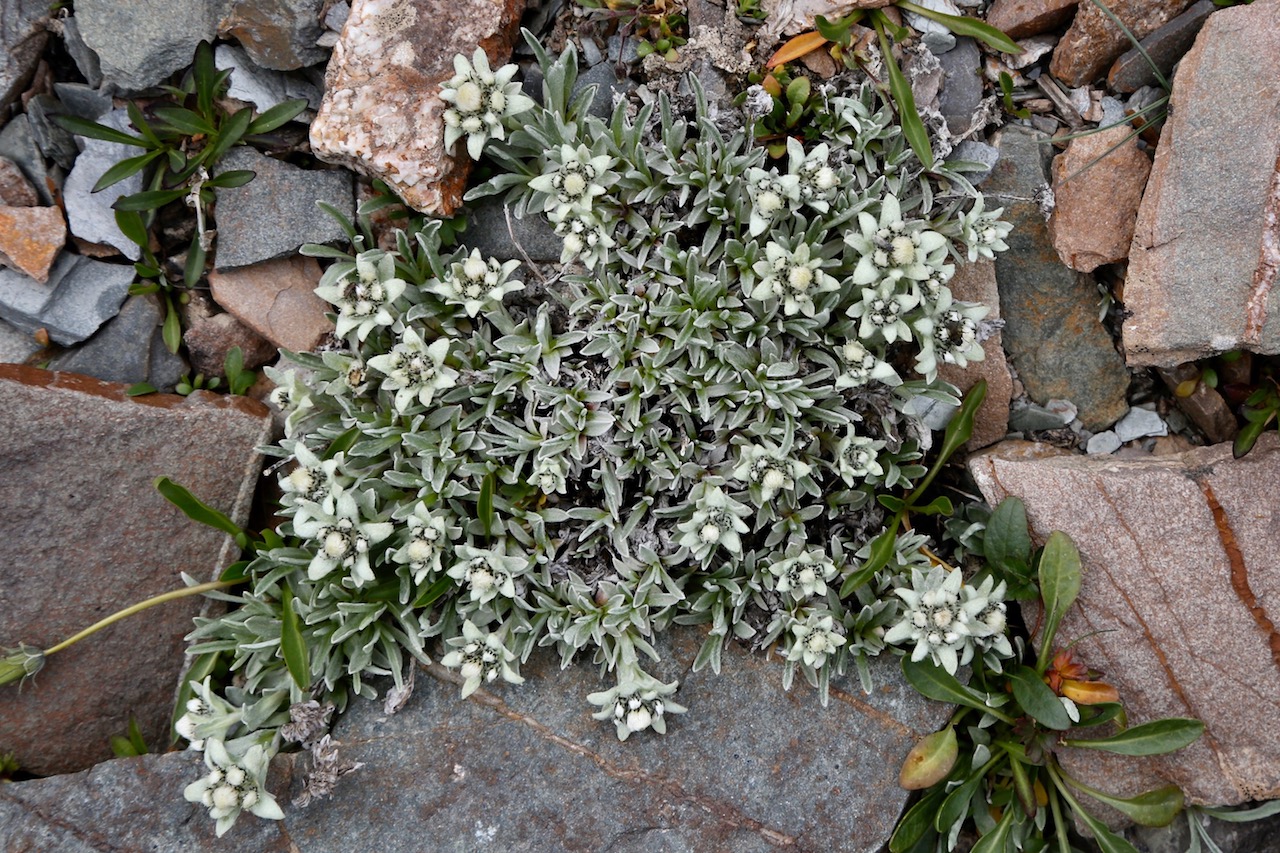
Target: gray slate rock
(16,346)
(278,34)
(1140,423)
(1102,443)
(84,56)
(22,40)
(606,83)
(1258,836)
(18,144)
(962,84)
(54,141)
(749,768)
(1052,331)
(89,214)
(487,231)
(1033,418)
(275,213)
(83,100)
(141,42)
(81,295)
(124,349)
(261,87)
(972,151)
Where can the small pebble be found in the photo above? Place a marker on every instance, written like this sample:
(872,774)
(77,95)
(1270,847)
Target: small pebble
(1103,443)
(1139,423)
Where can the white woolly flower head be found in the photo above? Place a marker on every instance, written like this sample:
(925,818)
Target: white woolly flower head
(414,370)
(892,250)
(940,618)
(479,101)
(487,573)
(364,296)
(477,284)
(793,277)
(234,784)
(983,231)
(429,536)
(862,366)
(480,657)
(576,180)
(312,480)
(818,181)
(856,458)
(585,239)
(639,702)
(804,575)
(883,317)
(341,539)
(773,196)
(814,640)
(206,715)
(716,522)
(949,335)
(767,467)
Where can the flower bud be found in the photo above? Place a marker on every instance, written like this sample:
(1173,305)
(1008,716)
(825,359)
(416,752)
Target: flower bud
(20,664)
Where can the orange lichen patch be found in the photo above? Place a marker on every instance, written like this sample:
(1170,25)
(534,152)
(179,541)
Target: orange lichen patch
(30,239)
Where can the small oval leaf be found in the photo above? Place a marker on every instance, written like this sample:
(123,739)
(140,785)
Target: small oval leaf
(1035,698)
(930,760)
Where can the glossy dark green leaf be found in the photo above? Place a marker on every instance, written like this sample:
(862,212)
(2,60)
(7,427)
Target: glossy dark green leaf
(138,389)
(1096,715)
(342,443)
(956,804)
(941,505)
(963,26)
(916,824)
(1106,840)
(131,225)
(235,572)
(484,505)
(1022,786)
(185,121)
(122,748)
(197,510)
(1151,808)
(148,199)
(231,178)
(205,77)
(838,31)
(1247,437)
(1036,699)
(934,682)
(883,548)
(996,840)
(292,645)
(912,127)
(139,121)
(93,130)
(193,269)
(1154,738)
(124,169)
(171,331)
(890,502)
(277,116)
(231,132)
(1059,585)
(1007,544)
(960,428)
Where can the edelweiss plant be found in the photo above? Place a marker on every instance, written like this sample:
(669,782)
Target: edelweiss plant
(703,419)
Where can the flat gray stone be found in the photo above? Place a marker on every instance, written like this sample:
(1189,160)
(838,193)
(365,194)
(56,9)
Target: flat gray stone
(1033,418)
(1140,423)
(96,452)
(83,100)
(971,151)
(18,145)
(80,296)
(16,346)
(22,40)
(83,55)
(141,42)
(488,231)
(89,214)
(275,213)
(121,350)
(1052,333)
(962,84)
(264,88)
(749,768)
(53,140)
(277,34)
(1178,604)
(23,299)
(1206,251)
(1102,443)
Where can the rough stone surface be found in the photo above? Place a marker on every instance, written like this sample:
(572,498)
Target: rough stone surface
(278,34)
(1102,443)
(1176,606)
(749,769)
(1140,423)
(81,295)
(284,196)
(1204,406)
(976,282)
(487,231)
(1052,334)
(1164,48)
(141,42)
(83,56)
(80,99)
(89,213)
(261,87)
(121,351)
(22,40)
(210,337)
(54,141)
(30,239)
(976,152)
(80,457)
(1097,188)
(15,189)
(1093,42)
(1258,836)
(276,300)
(962,84)
(16,346)
(1022,18)
(381,114)
(18,145)
(1206,252)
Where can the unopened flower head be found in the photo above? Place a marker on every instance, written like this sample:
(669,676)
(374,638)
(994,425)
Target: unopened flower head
(20,663)
(479,101)
(206,715)
(549,475)
(818,181)
(480,657)
(585,239)
(862,366)
(477,284)
(984,231)
(639,702)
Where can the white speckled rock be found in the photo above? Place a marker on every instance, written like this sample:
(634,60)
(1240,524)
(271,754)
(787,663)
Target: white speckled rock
(381,114)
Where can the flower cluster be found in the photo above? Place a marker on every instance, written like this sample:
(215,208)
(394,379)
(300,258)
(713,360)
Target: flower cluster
(480,101)
(948,619)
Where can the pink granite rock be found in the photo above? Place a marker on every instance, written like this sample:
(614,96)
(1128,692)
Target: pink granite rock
(30,239)
(15,189)
(1178,603)
(1206,251)
(1093,42)
(1021,18)
(977,283)
(1097,188)
(87,534)
(381,113)
(276,300)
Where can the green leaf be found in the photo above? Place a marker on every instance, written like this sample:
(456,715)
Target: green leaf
(205,76)
(883,548)
(185,121)
(194,266)
(124,169)
(1248,437)
(433,593)
(798,91)
(229,134)
(140,123)
(1035,697)
(996,840)
(956,804)
(201,668)
(1059,586)
(171,332)
(292,646)
(131,225)
(233,363)
(891,503)
(197,510)
(963,26)
(1106,840)
(1151,808)
(148,200)
(342,443)
(93,130)
(484,506)
(231,178)
(960,428)
(277,116)
(239,570)
(838,31)
(912,127)
(941,505)
(136,739)
(121,747)
(934,682)
(1007,543)
(916,824)
(1022,786)
(1096,715)
(930,760)
(1154,738)
(140,388)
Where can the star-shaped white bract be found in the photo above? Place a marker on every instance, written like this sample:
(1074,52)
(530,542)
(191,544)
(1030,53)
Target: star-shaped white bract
(342,539)
(479,101)
(364,296)
(233,785)
(415,370)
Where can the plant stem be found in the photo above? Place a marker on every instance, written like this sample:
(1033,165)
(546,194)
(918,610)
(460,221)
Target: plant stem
(172,595)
